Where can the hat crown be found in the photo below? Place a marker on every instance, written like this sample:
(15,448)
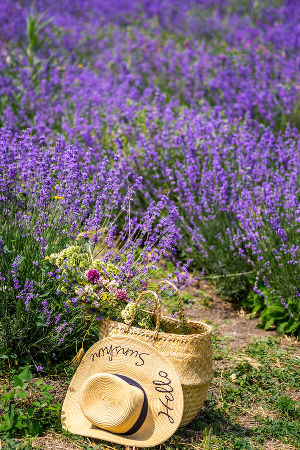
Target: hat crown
(110,403)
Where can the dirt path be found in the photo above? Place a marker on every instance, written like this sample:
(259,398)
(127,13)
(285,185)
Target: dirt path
(227,319)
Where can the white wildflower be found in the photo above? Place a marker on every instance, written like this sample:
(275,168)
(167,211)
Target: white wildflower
(127,312)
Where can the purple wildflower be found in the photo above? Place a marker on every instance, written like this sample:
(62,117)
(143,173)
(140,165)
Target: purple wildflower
(93,275)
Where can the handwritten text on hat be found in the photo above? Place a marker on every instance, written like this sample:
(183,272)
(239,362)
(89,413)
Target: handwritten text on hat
(114,351)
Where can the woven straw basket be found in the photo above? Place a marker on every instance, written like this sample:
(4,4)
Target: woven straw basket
(190,354)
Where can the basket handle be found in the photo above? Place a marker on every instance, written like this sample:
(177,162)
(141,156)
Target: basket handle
(156,306)
(180,316)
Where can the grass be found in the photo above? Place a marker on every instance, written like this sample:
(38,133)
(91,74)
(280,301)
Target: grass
(252,402)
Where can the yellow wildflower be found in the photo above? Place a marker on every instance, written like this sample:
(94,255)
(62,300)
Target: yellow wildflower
(104,297)
(58,198)
(47,257)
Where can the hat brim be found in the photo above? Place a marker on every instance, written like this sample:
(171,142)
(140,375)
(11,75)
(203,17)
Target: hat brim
(147,366)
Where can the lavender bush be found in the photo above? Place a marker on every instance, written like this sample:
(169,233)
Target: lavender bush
(47,200)
(199,98)
(219,58)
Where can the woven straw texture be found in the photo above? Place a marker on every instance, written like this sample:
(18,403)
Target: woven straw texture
(190,354)
(94,396)
(110,403)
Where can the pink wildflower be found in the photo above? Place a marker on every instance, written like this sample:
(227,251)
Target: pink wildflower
(121,295)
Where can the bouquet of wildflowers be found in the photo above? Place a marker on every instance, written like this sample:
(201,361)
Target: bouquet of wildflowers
(104,271)
(95,286)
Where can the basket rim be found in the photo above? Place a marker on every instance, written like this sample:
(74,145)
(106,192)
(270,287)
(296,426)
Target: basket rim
(163,335)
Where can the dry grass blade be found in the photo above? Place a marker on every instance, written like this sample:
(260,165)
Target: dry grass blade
(290,339)
(77,359)
(252,362)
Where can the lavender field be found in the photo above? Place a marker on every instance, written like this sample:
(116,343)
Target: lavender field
(184,116)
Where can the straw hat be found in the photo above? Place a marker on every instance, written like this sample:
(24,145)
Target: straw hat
(124,391)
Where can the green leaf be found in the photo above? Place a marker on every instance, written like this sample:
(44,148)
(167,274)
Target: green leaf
(4,425)
(17,381)
(45,294)
(34,428)
(268,324)
(22,394)
(20,425)
(37,404)
(271,311)
(170,266)
(46,387)
(280,327)
(257,308)
(11,415)
(38,382)
(25,375)
(265,315)
(88,245)
(20,260)
(54,408)
(247,303)
(291,326)
(48,397)
(8,396)
(30,411)
(279,314)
